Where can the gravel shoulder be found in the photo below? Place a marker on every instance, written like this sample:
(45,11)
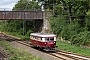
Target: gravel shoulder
(34,52)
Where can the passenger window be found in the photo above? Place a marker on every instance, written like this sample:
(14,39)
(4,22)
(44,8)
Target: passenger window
(41,38)
(33,36)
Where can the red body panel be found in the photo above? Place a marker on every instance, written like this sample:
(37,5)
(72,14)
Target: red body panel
(38,43)
(43,44)
(51,44)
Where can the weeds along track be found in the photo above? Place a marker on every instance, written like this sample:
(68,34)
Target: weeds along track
(8,37)
(63,55)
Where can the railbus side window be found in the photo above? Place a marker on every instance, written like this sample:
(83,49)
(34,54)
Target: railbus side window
(41,38)
(31,37)
(36,38)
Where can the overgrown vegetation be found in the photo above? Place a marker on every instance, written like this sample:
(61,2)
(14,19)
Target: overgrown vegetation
(73,48)
(72,21)
(24,37)
(73,32)
(16,54)
(17,29)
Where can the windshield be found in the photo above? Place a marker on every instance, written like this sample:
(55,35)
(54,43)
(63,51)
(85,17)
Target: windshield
(49,39)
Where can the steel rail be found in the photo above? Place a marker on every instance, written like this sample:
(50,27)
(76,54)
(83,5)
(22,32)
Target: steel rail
(73,55)
(2,55)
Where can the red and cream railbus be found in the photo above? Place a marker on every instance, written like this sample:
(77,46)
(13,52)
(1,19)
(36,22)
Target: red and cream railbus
(44,41)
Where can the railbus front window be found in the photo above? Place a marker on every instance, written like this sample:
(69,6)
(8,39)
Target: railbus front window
(46,39)
(52,39)
(49,39)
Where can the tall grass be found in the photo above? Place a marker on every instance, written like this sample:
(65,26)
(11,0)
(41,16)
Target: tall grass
(17,54)
(24,37)
(73,48)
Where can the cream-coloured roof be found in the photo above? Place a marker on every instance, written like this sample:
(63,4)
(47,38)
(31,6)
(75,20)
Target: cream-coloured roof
(43,35)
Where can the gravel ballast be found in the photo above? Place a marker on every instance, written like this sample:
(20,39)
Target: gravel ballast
(34,52)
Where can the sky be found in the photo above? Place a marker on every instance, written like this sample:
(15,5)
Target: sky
(7,4)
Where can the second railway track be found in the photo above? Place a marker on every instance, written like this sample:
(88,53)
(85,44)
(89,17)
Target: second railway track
(2,56)
(59,54)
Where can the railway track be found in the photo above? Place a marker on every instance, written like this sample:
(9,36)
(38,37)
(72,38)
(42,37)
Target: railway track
(59,54)
(27,44)
(2,55)
(73,55)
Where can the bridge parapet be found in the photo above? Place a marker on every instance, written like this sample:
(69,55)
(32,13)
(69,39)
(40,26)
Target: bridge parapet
(21,15)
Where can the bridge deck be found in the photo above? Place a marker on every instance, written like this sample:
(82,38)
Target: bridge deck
(21,15)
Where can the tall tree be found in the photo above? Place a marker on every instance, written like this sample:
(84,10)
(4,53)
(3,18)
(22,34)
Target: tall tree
(27,5)
(76,8)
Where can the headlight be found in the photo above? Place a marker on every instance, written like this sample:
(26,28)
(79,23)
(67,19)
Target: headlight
(45,43)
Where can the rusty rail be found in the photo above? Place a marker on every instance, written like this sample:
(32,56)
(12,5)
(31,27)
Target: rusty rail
(2,55)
